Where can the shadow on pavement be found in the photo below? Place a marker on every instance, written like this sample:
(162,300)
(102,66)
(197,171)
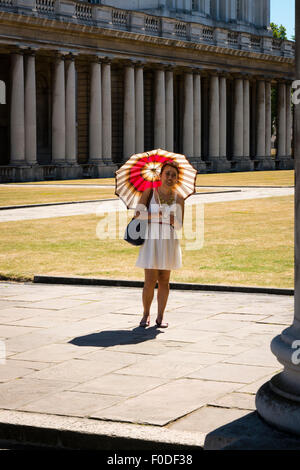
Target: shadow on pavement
(250,432)
(116,337)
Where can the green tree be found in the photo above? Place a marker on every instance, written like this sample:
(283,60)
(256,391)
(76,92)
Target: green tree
(279,32)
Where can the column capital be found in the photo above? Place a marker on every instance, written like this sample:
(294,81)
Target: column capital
(140,63)
(60,55)
(71,56)
(105,59)
(31,51)
(259,78)
(213,72)
(127,62)
(240,75)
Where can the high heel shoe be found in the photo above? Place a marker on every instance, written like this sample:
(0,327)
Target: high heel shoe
(144,323)
(161,324)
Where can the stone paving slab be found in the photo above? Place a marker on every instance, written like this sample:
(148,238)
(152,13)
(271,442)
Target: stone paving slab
(85,358)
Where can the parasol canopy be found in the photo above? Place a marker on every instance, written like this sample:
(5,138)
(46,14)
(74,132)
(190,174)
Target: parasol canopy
(142,171)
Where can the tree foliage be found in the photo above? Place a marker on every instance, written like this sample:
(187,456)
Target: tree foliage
(279,32)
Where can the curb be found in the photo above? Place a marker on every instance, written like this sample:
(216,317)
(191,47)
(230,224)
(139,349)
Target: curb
(31,206)
(173,285)
(73,433)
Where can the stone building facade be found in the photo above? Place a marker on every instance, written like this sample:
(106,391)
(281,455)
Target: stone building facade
(83,85)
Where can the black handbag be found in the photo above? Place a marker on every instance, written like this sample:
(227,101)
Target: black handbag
(136,229)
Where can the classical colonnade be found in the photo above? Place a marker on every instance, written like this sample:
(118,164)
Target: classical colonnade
(251,114)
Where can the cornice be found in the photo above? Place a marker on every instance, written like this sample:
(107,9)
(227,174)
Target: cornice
(55,26)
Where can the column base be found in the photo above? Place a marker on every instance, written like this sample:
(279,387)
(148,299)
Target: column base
(218,164)
(241,164)
(284,163)
(54,171)
(263,163)
(278,411)
(198,164)
(107,169)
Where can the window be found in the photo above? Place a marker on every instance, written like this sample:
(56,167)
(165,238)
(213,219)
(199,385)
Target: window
(2,92)
(195,5)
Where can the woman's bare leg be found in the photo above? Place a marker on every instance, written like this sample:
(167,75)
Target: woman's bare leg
(162,293)
(151,276)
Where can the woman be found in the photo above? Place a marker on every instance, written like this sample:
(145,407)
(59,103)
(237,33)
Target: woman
(161,250)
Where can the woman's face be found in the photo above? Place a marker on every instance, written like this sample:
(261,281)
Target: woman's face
(169,176)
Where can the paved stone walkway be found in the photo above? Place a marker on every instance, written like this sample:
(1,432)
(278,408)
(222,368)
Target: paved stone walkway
(108,206)
(77,352)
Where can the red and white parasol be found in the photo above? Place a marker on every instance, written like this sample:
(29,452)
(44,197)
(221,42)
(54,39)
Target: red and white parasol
(142,171)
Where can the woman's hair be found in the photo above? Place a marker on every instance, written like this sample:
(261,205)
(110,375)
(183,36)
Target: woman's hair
(169,163)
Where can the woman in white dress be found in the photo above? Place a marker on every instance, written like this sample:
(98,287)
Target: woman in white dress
(161,250)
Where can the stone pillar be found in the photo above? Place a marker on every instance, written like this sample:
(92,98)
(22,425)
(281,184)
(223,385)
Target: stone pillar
(95,114)
(240,157)
(169,110)
(218,163)
(188,116)
(283,158)
(253,129)
(281,131)
(262,161)
(238,120)
(17,118)
(214,119)
(197,162)
(58,113)
(278,400)
(129,113)
(30,110)
(268,119)
(71,133)
(139,109)
(288,120)
(160,110)
(106,113)
(261,120)
(223,116)
(246,120)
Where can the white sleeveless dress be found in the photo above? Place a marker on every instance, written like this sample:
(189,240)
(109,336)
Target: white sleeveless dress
(161,249)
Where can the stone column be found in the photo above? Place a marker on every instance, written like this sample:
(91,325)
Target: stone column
(95,115)
(106,113)
(246,119)
(129,113)
(223,116)
(188,116)
(169,110)
(238,120)
(281,131)
(253,129)
(160,110)
(139,109)
(268,119)
(71,133)
(17,118)
(214,118)
(260,156)
(218,163)
(30,110)
(278,400)
(288,120)
(58,113)
(283,158)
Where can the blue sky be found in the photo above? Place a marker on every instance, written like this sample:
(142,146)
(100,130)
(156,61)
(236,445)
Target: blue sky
(283,12)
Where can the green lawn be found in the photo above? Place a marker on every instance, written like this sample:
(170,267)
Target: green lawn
(33,193)
(246,242)
(251,178)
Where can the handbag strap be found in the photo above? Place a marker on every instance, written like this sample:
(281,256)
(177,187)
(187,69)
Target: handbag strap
(149,198)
